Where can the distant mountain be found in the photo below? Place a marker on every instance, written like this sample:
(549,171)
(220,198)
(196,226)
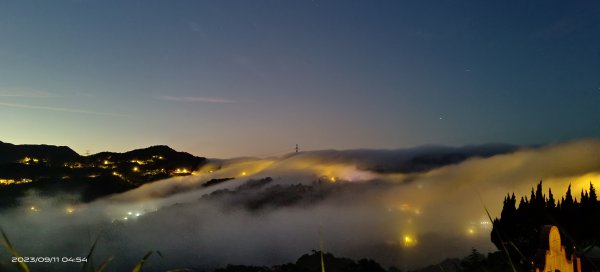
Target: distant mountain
(57,154)
(58,169)
(433,157)
(409,160)
(157,156)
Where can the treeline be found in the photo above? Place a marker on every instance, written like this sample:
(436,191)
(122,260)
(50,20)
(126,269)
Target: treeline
(517,231)
(312,263)
(492,262)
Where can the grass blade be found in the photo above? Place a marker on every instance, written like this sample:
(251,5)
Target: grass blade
(89,265)
(21,266)
(512,265)
(104,264)
(138,267)
(321,251)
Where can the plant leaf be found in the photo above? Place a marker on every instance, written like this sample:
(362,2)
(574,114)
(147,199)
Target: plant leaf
(21,266)
(104,264)
(138,267)
(89,266)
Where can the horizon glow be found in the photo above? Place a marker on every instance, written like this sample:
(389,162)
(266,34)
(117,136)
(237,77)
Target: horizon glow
(239,78)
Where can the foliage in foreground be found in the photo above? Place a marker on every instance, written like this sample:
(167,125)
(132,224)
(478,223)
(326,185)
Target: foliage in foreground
(86,267)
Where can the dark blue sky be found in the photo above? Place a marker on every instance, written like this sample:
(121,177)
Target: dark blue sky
(229,78)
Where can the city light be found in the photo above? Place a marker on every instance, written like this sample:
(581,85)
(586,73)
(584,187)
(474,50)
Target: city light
(28,160)
(12,181)
(181,171)
(409,241)
(138,162)
(471,231)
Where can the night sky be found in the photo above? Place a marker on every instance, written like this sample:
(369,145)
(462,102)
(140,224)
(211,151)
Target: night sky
(236,78)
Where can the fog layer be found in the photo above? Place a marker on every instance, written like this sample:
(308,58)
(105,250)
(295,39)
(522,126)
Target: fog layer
(361,204)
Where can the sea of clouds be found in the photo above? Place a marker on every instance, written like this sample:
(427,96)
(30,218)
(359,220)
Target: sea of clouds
(360,203)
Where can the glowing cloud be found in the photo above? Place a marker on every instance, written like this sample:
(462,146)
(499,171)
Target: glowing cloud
(34,107)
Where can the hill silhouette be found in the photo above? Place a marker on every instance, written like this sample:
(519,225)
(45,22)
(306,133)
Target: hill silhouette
(56,154)
(50,170)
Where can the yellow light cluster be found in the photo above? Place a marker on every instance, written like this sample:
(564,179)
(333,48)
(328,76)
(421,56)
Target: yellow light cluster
(12,181)
(28,160)
(73,165)
(409,241)
(138,162)
(154,172)
(471,231)
(181,171)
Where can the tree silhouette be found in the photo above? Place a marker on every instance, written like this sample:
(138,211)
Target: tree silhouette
(518,228)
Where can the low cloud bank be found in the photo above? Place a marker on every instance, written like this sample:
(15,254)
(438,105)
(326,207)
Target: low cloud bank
(361,203)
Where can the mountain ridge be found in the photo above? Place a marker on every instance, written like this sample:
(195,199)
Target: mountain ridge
(52,169)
